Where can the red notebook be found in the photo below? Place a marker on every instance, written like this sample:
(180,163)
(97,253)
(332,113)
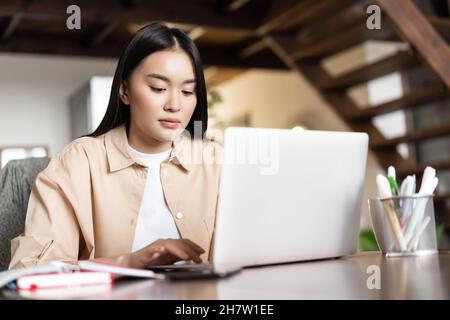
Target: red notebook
(63,280)
(62,274)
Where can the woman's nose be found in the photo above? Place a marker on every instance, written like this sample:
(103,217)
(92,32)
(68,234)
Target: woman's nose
(173,102)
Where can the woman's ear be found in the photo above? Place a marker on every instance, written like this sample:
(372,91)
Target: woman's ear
(123,92)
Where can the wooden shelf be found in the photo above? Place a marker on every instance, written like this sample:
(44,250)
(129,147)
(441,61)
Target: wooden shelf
(418,135)
(336,42)
(418,169)
(399,61)
(410,100)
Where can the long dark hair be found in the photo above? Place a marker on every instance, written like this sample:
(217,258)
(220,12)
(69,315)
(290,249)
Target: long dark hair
(147,40)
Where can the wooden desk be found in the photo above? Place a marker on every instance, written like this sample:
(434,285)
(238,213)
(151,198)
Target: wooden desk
(426,277)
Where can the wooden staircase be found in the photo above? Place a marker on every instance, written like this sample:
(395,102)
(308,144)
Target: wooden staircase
(323,28)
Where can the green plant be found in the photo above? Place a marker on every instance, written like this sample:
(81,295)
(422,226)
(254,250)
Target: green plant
(214,97)
(439,232)
(367,241)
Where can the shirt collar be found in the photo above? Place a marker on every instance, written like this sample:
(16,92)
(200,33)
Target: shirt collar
(120,157)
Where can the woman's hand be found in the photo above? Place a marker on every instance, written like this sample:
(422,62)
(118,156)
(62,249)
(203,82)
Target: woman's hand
(166,251)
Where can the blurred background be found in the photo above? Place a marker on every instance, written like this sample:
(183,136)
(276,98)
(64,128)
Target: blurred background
(313,64)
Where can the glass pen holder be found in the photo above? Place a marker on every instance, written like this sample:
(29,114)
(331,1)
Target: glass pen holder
(404,225)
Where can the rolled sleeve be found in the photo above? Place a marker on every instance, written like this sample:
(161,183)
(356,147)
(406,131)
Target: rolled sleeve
(52,225)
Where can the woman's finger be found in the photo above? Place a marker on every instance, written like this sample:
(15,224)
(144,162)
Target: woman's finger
(185,249)
(177,250)
(195,246)
(150,250)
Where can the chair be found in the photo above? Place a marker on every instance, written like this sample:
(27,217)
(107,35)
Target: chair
(16,182)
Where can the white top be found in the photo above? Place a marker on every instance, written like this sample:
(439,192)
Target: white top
(155,220)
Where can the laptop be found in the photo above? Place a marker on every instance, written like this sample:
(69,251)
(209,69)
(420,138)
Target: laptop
(285,195)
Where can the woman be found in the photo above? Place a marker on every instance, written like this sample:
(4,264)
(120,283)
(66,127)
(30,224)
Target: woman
(140,190)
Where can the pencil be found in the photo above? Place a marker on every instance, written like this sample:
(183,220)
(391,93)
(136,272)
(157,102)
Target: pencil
(415,240)
(395,225)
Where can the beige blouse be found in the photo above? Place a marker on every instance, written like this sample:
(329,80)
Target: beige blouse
(85,204)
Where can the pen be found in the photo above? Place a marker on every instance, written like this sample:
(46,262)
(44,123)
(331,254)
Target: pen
(393,185)
(412,245)
(429,184)
(385,192)
(392,181)
(407,190)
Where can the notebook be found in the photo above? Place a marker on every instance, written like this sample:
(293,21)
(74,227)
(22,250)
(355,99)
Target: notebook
(83,266)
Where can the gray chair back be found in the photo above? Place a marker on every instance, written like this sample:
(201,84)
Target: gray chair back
(16,181)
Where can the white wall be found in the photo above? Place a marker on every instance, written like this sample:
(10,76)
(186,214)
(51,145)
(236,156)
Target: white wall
(100,88)
(34,92)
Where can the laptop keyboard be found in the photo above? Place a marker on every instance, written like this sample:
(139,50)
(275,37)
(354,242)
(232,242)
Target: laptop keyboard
(182,265)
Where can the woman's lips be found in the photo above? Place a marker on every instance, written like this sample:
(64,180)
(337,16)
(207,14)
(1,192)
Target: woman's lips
(169,124)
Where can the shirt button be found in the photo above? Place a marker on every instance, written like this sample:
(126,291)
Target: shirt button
(179,215)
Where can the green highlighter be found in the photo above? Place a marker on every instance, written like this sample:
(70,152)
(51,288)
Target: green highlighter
(393,184)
